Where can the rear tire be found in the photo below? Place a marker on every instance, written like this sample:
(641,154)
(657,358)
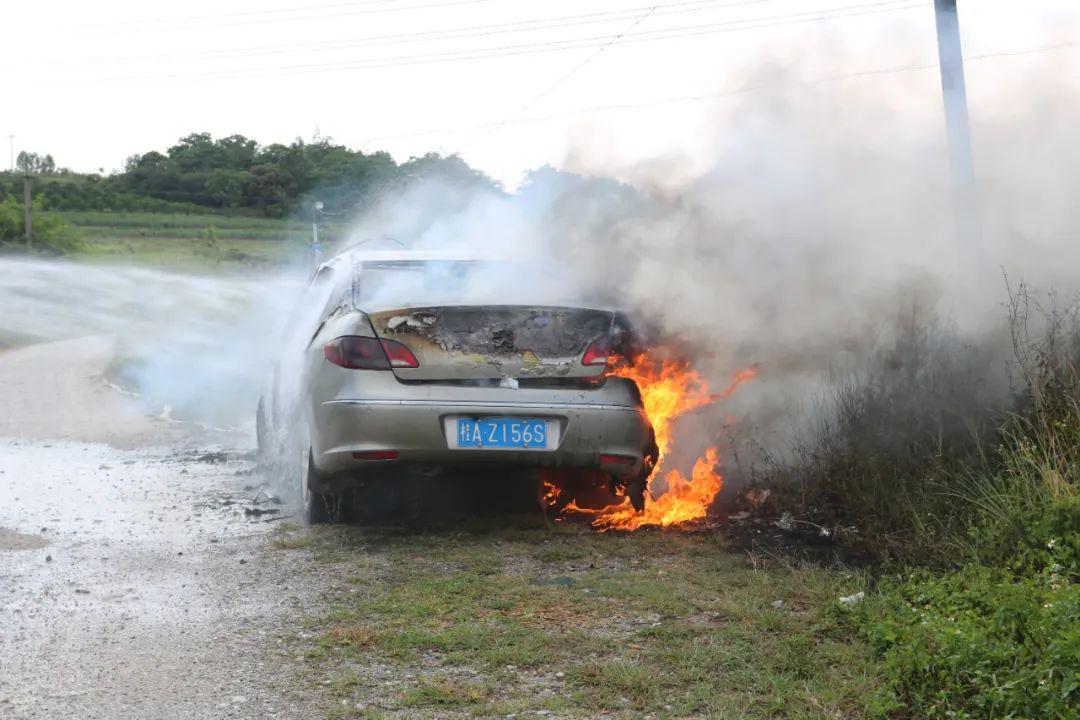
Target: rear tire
(318,508)
(635,488)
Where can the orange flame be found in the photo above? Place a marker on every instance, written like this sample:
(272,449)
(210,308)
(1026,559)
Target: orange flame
(550,498)
(669,389)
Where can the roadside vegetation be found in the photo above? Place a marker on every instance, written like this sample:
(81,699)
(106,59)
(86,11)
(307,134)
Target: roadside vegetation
(50,235)
(523,621)
(214,203)
(189,242)
(969,495)
(236,175)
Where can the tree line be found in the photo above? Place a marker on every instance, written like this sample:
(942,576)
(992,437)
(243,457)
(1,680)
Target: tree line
(237,175)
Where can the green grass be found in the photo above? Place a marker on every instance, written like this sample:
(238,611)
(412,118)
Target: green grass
(186,242)
(520,620)
(191,242)
(188,254)
(169,220)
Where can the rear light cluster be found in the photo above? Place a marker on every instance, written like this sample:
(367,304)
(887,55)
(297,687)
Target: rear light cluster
(617,460)
(375,455)
(598,353)
(365,353)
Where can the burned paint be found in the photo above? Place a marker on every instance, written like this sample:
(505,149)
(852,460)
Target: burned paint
(461,342)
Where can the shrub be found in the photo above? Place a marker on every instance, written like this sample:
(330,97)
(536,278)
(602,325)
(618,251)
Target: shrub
(49,233)
(932,469)
(1000,637)
(882,454)
(986,642)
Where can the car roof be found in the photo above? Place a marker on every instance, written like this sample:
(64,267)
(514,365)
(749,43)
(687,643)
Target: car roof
(413,255)
(351,258)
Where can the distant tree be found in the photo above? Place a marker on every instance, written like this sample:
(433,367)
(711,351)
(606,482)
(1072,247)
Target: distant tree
(226,187)
(236,152)
(233,173)
(194,153)
(29,163)
(154,173)
(269,189)
(26,163)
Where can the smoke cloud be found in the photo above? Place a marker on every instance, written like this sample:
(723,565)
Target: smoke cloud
(821,223)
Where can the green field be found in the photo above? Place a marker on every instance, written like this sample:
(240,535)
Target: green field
(193,241)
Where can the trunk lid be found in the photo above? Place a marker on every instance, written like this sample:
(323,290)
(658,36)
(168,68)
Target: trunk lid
(492,342)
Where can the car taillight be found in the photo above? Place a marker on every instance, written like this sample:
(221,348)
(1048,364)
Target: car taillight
(375,455)
(399,355)
(598,353)
(364,353)
(617,460)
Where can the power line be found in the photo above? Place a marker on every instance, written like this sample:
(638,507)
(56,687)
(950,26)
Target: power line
(678,8)
(246,13)
(294,18)
(727,93)
(574,70)
(549,46)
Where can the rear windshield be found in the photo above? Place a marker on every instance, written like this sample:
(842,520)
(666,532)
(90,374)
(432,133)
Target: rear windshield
(385,285)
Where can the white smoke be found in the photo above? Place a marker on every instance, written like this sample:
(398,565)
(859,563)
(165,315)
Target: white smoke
(822,220)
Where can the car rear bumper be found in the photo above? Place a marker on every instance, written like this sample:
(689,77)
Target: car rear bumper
(416,430)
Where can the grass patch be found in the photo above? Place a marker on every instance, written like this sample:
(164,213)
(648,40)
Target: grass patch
(578,624)
(190,241)
(292,542)
(443,692)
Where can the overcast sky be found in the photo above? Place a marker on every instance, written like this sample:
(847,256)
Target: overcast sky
(508,84)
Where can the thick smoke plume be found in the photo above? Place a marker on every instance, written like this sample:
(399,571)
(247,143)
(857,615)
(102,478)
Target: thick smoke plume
(821,228)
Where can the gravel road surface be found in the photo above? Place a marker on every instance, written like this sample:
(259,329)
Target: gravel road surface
(132,582)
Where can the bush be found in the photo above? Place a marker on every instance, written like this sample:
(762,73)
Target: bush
(1000,636)
(49,234)
(883,453)
(986,642)
(980,491)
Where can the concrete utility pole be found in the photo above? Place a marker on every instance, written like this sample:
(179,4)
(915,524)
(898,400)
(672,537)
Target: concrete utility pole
(11,151)
(957,124)
(28,184)
(316,248)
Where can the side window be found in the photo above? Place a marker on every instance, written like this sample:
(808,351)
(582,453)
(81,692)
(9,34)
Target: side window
(339,297)
(308,314)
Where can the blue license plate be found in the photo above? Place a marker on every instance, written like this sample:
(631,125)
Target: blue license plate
(500,432)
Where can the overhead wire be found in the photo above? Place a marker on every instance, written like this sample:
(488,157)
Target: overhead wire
(133,25)
(763,87)
(265,21)
(243,13)
(678,8)
(549,46)
(588,59)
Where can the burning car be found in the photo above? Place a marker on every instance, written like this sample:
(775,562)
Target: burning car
(394,365)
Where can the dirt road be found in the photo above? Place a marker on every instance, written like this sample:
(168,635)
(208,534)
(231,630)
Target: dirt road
(132,584)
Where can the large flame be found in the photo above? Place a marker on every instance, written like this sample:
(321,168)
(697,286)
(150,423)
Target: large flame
(670,387)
